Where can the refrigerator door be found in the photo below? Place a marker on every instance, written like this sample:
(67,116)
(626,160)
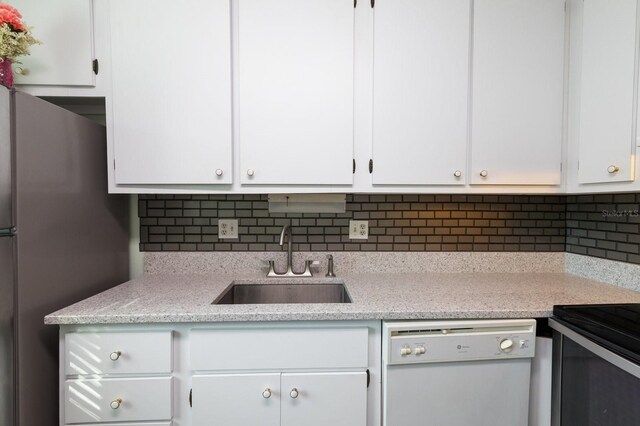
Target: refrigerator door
(6,220)
(7,375)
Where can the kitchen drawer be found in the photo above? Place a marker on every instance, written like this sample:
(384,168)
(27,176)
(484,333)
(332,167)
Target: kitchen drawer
(268,348)
(133,353)
(141,399)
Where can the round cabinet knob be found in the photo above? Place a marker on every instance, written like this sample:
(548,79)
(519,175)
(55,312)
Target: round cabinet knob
(506,345)
(115,404)
(266,394)
(457,173)
(218,172)
(613,169)
(21,71)
(250,172)
(484,173)
(294,393)
(114,356)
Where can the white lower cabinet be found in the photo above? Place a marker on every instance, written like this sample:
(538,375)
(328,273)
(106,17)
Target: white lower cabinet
(287,399)
(320,399)
(117,400)
(236,399)
(292,373)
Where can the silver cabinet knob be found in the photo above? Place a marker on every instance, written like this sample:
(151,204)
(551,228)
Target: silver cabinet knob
(218,172)
(21,71)
(294,393)
(613,169)
(250,172)
(484,173)
(115,404)
(457,173)
(114,356)
(266,393)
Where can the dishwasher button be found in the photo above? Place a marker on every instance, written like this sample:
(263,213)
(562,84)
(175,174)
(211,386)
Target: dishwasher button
(506,345)
(405,350)
(420,350)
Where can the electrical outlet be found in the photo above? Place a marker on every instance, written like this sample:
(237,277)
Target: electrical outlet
(358,229)
(227,228)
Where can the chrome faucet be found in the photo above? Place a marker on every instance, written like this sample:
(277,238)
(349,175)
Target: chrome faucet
(286,229)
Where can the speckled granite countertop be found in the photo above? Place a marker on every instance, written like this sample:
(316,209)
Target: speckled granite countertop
(162,298)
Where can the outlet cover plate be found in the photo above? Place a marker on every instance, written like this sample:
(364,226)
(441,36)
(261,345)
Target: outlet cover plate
(358,229)
(227,228)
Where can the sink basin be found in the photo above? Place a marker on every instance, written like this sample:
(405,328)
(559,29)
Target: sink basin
(245,293)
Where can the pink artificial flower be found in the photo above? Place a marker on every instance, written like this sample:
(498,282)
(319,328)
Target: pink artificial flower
(10,16)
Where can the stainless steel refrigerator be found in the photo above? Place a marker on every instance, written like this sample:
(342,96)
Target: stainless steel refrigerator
(62,239)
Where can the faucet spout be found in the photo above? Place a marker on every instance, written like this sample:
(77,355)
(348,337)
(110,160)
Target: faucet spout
(286,229)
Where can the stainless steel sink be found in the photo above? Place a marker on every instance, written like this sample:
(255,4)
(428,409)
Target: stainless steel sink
(246,293)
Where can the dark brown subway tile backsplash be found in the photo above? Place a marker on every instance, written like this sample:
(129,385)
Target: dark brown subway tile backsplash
(604,225)
(396,223)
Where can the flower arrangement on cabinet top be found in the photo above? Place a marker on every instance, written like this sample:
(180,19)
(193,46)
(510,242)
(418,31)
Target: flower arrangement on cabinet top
(15,41)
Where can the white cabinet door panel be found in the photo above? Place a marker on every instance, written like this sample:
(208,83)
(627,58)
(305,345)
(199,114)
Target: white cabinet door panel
(171,101)
(517,96)
(608,70)
(336,399)
(421,91)
(296,91)
(236,400)
(89,400)
(65,56)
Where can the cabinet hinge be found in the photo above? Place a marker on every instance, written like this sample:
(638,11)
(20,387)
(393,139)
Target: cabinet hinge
(355,3)
(191,398)
(354,166)
(96,66)
(368,377)
(114,164)
(371,166)
(373,3)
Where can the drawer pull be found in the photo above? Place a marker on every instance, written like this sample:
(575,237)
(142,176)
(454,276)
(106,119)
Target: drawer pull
(294,393)
(115,404)
(114,356)
(266,394)
(613,169)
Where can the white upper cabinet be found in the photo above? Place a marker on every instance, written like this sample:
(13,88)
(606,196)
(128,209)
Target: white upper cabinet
(603,68)
(420,91)
(295,91)
(518,91)
(65,57)
(170,107)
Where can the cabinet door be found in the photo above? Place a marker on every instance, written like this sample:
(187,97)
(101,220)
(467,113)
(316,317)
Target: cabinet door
(296,91)
(607,77)
(236,400)
(321,399)
(65,57)
(171,101)
(421,82)
(517,96)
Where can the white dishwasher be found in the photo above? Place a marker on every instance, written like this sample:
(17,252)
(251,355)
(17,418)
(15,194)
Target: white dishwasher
(457,373)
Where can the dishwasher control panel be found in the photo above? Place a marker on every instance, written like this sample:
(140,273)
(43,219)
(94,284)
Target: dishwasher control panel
(441,341)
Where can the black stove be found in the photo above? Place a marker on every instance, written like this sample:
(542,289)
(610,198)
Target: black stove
(616,326)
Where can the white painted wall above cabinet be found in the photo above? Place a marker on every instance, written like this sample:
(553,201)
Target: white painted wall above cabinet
(420,91)
(295,91)
(170,108)
(517,96)
(66,56)
(604,88)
